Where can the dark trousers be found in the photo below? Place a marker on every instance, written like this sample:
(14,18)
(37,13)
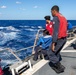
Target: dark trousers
(39,51)
(55,56)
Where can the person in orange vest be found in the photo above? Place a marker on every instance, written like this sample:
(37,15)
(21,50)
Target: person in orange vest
(49,25)
(58,40)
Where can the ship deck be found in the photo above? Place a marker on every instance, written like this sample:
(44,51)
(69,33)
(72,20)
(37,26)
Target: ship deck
(41,67)
(69,61)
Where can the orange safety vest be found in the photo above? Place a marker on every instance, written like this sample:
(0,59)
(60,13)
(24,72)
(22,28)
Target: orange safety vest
(49,27)
(62,27)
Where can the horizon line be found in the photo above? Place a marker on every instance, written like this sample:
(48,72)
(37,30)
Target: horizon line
(29,19)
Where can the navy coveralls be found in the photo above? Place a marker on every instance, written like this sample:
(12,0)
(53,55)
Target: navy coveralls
(54,56)
(45,42)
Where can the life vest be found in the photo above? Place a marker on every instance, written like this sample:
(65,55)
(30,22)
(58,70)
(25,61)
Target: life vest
(62,27)
(49,27)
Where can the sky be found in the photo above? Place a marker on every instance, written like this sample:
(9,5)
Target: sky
(35,9)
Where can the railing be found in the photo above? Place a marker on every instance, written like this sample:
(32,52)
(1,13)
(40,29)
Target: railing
(8,53)
(71,34)
(37,35)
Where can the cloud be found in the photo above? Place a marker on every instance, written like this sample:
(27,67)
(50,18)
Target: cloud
(3,7)
(35,7)
(22,9)
(18,2)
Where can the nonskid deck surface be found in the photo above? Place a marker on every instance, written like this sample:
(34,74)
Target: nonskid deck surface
(69,61)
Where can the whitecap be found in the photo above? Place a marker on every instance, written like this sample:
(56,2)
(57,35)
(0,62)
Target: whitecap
(39,27)
(6,62)
(4,37)
(1,48)
(2,27)
(30,29)
(24,26)
(33,27)
(12,28)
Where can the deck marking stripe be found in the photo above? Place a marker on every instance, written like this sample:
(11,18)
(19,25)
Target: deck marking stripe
(36,67)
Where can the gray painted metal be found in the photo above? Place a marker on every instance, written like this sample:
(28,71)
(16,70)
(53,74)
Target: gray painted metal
(69,61)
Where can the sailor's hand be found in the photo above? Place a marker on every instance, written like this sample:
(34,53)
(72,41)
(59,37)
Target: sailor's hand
(53,46)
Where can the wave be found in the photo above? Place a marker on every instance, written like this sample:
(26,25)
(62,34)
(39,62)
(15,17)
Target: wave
(2,27)
(29,29)
(40,27)
(1,48)
(4,37)
(24,26)
(7,62)
(33,27)
(11,28)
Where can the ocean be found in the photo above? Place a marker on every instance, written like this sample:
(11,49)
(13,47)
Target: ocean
(18,34)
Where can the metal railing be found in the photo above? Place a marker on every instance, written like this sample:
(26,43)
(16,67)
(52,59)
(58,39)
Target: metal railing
(9,52)
(37,35)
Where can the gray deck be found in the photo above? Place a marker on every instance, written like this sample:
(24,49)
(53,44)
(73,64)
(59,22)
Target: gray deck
(71,47)
(69,61)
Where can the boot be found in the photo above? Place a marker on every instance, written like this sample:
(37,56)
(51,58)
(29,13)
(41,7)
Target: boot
(59,67)
(35,58)
(56,67)
(46,57)
(62,66)
(41,55)
(60,59)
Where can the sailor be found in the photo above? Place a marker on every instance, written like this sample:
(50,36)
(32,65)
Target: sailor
(70,30)
(59,39)
(70,27)
(49,24)
(43,45)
